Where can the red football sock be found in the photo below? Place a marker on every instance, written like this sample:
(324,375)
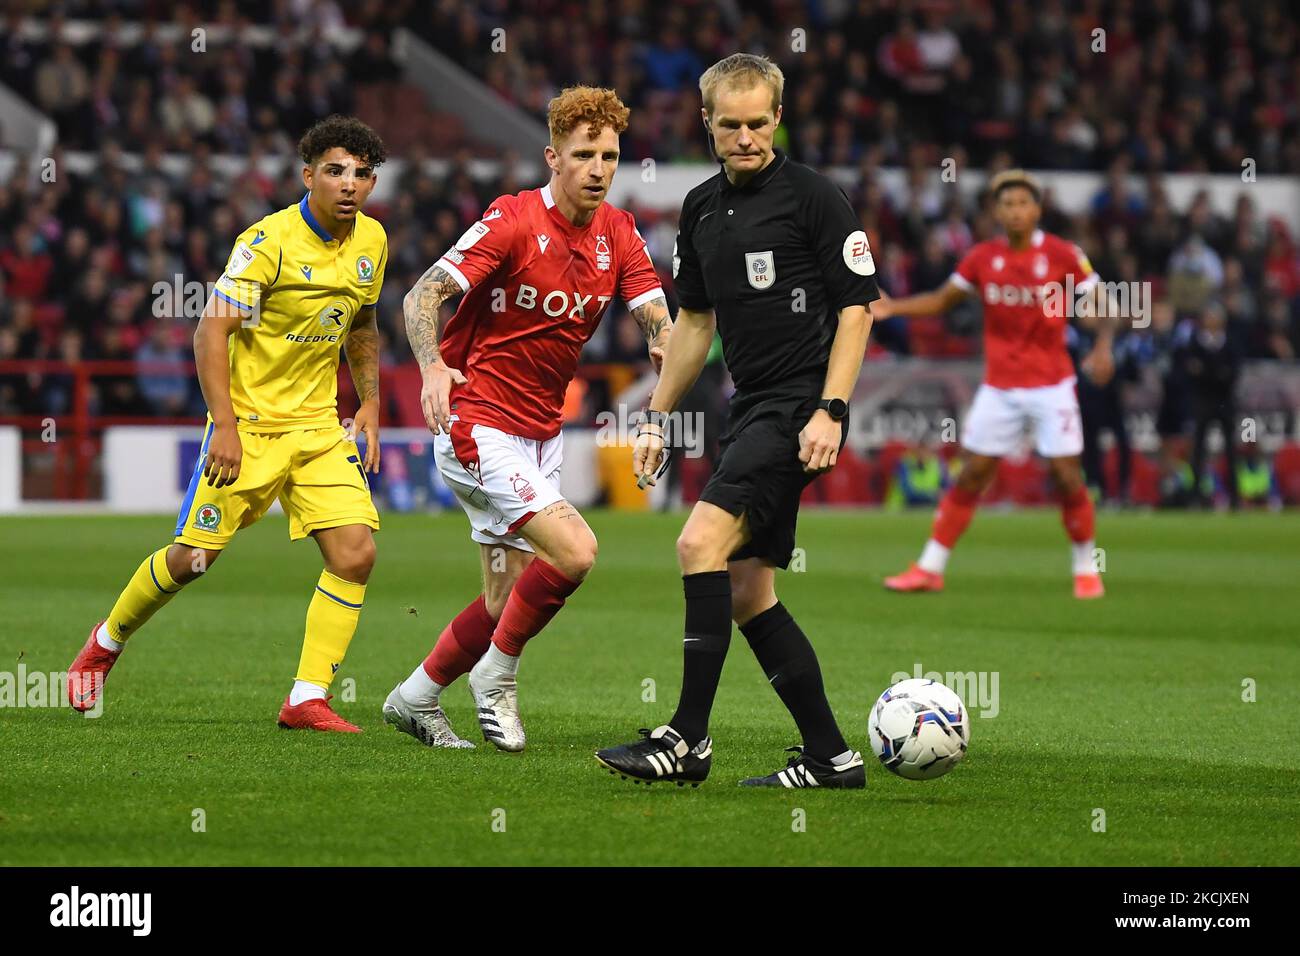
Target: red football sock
(954,514)
(536,596)
(1079,516)
(461,644)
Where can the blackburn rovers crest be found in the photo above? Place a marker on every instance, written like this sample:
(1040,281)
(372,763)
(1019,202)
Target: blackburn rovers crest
(207,518)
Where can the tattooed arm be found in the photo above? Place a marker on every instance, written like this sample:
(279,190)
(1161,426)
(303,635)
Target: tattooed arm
(424,326)
(655,325)
(421,308)
(362,349)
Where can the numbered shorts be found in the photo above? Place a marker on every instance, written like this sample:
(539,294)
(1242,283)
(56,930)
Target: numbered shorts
(316,474)
(500,480)
(999,417)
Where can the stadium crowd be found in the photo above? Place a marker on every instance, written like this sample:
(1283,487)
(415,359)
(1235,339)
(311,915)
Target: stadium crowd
(1183,86)
(1168,85)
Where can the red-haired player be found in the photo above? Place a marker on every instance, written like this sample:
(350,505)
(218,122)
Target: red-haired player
(538,271)
(1029,378)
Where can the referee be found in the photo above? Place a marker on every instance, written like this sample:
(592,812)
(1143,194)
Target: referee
(770,254)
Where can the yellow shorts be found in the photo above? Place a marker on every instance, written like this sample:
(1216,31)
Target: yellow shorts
(316,473)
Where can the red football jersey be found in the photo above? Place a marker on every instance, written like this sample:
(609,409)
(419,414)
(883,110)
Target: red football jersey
(536,288)
(1025,295)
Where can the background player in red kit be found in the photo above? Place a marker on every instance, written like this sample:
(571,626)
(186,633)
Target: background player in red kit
(538,272)
(1028,380)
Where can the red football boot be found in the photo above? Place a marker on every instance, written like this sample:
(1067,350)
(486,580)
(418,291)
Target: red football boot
(1088,586)
(88,672)
(915,579)
(315,714)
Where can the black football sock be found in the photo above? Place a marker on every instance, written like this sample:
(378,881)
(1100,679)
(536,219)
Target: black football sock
(704,648)
(790,663)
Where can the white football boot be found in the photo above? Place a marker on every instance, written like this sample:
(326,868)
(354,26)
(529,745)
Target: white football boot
(428,725)
(497,701)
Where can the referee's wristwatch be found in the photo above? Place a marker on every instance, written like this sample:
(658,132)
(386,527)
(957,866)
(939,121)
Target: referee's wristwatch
(836,408)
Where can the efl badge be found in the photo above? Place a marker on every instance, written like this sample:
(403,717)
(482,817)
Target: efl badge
(365,270)
(471,235)
(240,260)
(207,518)
(760,269)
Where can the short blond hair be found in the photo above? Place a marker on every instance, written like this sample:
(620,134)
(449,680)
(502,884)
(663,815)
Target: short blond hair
(1015,177)
(585,104)
(740,71)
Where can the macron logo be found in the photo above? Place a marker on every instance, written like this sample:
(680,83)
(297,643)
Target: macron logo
(306,271)
(542,242)
(103,909)
(492,214)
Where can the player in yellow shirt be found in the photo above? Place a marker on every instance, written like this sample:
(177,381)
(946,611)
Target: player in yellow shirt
(300,284)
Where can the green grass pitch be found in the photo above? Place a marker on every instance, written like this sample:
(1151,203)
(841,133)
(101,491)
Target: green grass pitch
(1132,705)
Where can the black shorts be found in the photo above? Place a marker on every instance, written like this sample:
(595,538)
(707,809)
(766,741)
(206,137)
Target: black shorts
(759,473)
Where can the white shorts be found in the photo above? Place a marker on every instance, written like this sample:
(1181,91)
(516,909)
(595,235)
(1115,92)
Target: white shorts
(999,417)
(500,480)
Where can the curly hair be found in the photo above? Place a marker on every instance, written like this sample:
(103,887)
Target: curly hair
(585,104)
(346,131)
(1009,178)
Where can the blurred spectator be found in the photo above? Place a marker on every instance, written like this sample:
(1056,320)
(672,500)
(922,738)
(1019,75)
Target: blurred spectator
(1101,408)
(62,85)
(15,396)
(56,391)
(1212,360)
(919,479)
(26,266)
(1257,484)
(167,394)
(670,64)
(1195,274)
(1279,330)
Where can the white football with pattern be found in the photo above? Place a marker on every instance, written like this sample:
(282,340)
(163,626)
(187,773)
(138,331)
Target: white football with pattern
(919,729)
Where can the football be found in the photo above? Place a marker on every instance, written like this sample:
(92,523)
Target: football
(919,729)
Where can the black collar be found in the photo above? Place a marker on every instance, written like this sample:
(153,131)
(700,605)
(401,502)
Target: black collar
(759,179)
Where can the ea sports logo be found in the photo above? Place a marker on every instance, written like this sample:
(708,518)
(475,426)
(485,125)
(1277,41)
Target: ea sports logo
(857,254)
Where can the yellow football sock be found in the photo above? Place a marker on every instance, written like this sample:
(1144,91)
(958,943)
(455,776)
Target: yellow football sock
(149,589)
(331,621)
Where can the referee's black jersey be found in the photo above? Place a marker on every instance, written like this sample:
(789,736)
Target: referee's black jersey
(776,259)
